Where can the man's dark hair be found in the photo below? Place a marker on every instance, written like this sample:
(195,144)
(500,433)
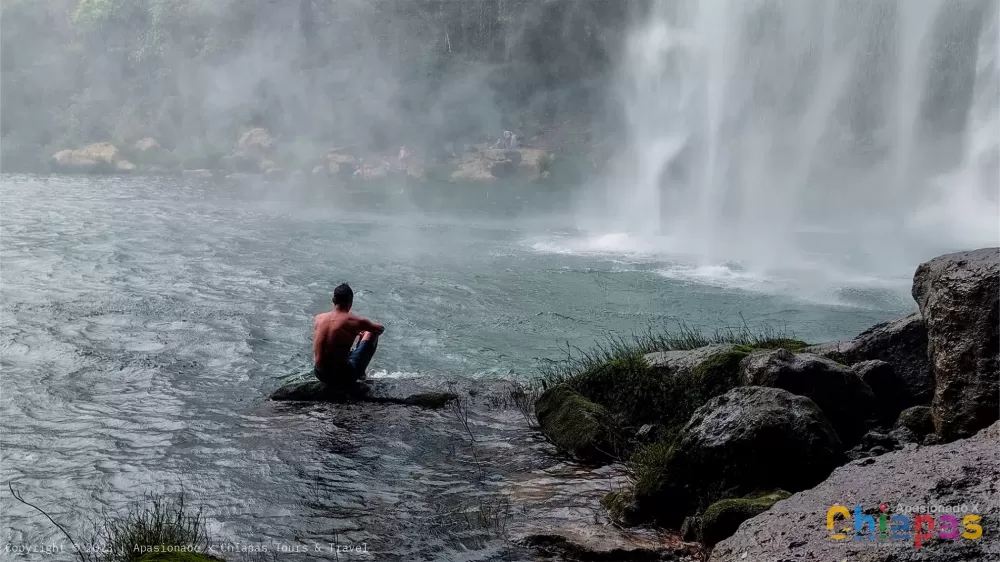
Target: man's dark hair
(343,296)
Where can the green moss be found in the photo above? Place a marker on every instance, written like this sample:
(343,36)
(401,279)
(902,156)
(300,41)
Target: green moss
(717,375)
(723,517)
(178,557)
(624,385)
(621,507)
(792,345)
(575,424)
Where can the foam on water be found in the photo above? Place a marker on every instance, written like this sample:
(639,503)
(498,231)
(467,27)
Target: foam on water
(856,139)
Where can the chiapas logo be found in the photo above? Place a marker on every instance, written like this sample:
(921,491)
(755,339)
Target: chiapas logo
(906,523)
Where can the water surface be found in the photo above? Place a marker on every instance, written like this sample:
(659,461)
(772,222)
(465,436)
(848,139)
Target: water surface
(145,320)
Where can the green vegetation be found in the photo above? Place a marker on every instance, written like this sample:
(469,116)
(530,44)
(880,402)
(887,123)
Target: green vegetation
(156,524)
(616,379)
(723,517)
(575,424)
(616,375)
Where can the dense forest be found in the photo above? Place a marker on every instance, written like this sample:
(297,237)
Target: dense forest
(378,73)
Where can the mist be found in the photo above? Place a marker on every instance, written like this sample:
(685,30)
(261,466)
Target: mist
(194,74)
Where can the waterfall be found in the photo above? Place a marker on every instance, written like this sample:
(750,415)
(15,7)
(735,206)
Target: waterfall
(773,133)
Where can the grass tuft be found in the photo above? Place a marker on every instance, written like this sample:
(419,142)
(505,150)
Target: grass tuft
(158,523)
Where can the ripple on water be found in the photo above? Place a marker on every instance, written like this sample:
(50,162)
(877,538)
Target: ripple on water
(145,320)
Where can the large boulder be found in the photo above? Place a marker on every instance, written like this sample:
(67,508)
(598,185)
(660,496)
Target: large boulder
(257,144)
(750,438)
(839,392)
(574,424)
(902,343)
(254,152)
(964,474)
(959,299)
(96,158)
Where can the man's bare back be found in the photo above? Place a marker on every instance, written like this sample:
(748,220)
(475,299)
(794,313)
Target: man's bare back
(334,333)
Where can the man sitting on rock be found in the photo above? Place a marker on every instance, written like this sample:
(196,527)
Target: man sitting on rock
(334,333)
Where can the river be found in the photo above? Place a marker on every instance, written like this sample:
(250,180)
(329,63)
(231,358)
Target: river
(144,322)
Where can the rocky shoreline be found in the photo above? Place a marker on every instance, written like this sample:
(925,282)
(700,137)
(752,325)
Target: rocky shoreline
(257,155)
(721,434)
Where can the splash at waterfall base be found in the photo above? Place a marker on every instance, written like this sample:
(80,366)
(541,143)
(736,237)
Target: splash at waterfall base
(709,429)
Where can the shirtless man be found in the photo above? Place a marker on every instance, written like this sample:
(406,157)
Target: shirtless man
(333,334)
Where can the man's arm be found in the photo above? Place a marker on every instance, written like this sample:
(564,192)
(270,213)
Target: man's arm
(370,326)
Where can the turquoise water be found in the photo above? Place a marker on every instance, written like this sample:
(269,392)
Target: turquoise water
(145,320)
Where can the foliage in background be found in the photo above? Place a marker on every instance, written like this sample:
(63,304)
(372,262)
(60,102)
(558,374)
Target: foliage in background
(377,73)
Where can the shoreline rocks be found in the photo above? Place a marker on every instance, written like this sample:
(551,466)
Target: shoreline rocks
(900,343)
(737,443)
(95,158)
(843,397)
(959,299)
(964,472)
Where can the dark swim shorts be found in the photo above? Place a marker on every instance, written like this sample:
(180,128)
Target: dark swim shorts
(354,370)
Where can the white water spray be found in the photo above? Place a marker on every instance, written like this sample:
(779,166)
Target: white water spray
(809,134)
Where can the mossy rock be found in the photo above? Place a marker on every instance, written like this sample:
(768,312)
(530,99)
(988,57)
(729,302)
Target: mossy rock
(178,557)
(723,517)
(792,345)
(747,439)
(621,507)
(917,419)
(661,389)
(574,424)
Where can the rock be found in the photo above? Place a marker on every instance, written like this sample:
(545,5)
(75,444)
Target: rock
(959,299)
(691,529)
(917,419)
(96,158)
(723,517)
(621,507)
(242,176)
(750,438)
(558,547)
(574,424)
(901,343)
(840,393)
(367,391)
(256,144)
(148,144)
(340,163)
(199,174)
(504,169)
(881,379)
(965,472)
(876,443)
(490,164)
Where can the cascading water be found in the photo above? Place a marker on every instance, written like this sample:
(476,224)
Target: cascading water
(802,134)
